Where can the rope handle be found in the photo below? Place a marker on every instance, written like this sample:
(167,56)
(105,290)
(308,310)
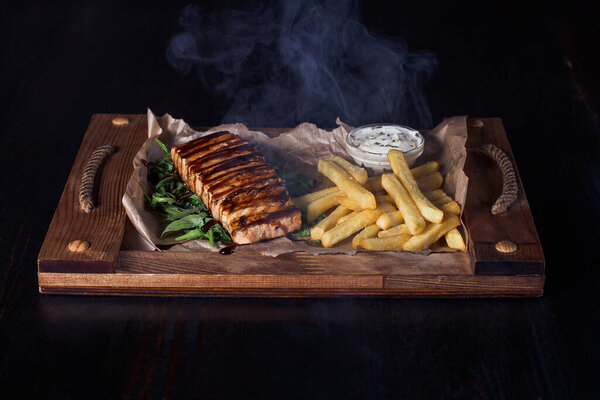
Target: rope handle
(86,188)
(509,178)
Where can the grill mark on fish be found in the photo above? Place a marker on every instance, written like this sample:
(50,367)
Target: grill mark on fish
(183,150)
(228,194)
(238,186)
(236,178)
(205,151)
(244,203)
(267,218)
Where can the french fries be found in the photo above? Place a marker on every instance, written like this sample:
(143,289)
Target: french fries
(421,172)
(320,205)
(387,243)
(455,240)
(349,226)
(303,201)
(404,202)
(425,169)
(451,207)
(328,222)
(358,173)
(345,217)
(348,202)
(430,182)
(447,204)
(426,208)
(404,210)
(434,195)
(373,184)
(389,219)
(396,230)
(431,234)
(347,184)
(351,204)
(368,232)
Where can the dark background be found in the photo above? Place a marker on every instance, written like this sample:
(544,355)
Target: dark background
(534,64)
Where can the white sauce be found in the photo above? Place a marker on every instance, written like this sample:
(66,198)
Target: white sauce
(380,139)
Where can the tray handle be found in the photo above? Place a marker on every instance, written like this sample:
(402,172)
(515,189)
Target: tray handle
(88,176)
(509,178)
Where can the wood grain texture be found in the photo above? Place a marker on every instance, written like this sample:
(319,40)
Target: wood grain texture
(485,229)
(292,285)
(297,263)
(104,227)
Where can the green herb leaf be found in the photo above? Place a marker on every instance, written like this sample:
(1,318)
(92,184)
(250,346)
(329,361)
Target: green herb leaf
(193,234)
(178,225)
(183,208)
(161,144)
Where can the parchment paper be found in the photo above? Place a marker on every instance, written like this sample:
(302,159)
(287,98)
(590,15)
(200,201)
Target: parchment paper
(297,149)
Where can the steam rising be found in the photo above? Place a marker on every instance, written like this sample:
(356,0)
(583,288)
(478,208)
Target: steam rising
(289,62)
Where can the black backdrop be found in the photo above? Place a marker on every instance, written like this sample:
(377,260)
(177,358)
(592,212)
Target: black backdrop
(531,64)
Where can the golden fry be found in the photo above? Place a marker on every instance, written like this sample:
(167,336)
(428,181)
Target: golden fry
(320,205)
(401,170)
(349,226)
(396,230)
(351,204)
(430,182)
(404,202)
(358,173)
(368,232)
(373,184)
(328,222)
(451,207)
(454,239)
(345,217)
(434,195)
(432,233)
(447,205)
(425,169)
(347,184)
(386,243)
(389,219)
(302,201)
(348,202)
(441,200)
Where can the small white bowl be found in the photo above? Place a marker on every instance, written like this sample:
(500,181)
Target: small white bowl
(378,162)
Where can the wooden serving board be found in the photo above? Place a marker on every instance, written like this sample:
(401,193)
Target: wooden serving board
(105,268)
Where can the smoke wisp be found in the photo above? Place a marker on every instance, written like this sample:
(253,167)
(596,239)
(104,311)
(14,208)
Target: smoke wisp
(286,62)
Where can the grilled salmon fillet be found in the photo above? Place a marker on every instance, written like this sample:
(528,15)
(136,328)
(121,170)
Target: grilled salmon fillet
(238,187)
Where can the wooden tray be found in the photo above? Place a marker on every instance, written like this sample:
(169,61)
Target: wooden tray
(107,269)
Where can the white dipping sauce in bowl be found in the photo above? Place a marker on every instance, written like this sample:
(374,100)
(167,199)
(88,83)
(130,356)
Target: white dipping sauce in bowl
(369,145)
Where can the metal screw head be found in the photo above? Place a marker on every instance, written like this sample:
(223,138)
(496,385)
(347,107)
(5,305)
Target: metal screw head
(506,246)
(120,121)
(79,245)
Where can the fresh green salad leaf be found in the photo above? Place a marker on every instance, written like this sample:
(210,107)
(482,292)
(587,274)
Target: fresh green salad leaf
(184,209)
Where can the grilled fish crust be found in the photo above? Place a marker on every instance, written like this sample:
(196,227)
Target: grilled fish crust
(238,186)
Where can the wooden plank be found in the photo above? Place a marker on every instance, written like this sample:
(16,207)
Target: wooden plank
(249,262)
(104,227)
(473,285)
(485,229)
(295,286)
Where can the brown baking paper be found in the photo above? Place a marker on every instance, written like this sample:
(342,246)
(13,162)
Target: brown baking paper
(297,149)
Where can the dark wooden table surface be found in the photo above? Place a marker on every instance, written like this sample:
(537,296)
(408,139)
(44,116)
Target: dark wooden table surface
(533,65)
